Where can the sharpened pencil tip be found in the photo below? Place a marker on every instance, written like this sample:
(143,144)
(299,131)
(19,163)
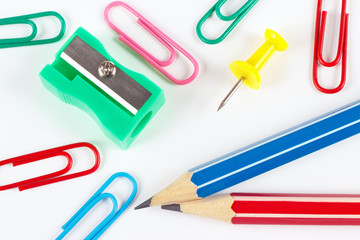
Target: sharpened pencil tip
(172,207)
(144,204)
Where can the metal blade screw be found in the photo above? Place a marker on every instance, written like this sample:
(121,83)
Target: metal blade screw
(107,69)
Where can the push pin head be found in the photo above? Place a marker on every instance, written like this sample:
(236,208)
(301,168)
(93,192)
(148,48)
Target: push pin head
(251,68)
(107,69)
(248,72)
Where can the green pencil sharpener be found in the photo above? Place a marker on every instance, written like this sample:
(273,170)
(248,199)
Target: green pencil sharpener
(120,100)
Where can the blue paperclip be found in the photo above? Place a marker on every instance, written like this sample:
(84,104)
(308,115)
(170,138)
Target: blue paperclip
(96,198)
(27,41)
(235,17)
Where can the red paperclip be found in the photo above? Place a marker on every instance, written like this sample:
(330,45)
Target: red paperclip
(318,47)
(53,177)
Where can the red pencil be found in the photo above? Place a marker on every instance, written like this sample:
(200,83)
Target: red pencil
(289,209)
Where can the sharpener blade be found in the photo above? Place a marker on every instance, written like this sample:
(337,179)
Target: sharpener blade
(121,87)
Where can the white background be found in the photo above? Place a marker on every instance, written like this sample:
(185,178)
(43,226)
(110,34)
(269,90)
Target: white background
(187,131)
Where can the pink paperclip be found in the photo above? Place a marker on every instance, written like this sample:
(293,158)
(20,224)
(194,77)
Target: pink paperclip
(159,35)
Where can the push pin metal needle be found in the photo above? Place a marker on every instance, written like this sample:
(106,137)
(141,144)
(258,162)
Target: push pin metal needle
(248,72)
(231,93)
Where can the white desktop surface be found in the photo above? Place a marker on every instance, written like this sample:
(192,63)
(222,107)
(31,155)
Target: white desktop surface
(187,131)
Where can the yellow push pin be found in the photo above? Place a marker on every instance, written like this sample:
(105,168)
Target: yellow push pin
(248,72)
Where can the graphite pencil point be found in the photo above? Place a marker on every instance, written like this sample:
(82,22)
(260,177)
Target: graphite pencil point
(172,207)
(144,204)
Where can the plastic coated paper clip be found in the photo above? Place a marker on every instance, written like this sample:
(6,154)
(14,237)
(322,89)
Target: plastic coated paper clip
(160,36)
(29,40)
(53,177)
(235,17)
(341,51)
(95,199)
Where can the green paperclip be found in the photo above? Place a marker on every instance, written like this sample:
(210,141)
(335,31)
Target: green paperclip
(29,40)
(6,21)
(235,17)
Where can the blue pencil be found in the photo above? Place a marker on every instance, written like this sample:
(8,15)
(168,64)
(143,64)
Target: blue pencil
(258,158)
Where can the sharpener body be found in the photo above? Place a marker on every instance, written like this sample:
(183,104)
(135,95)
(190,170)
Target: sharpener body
(77,83)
